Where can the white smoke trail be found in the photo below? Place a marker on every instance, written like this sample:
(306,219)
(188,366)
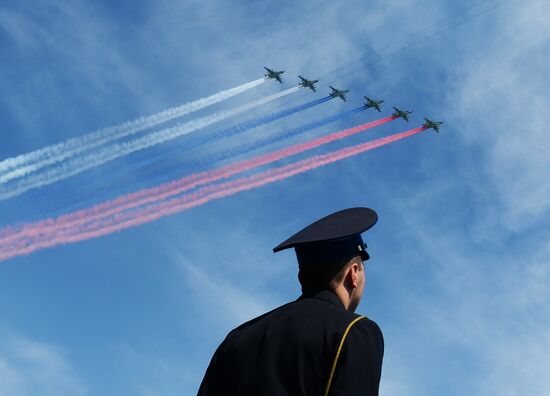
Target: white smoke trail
(24,164)
(116,150)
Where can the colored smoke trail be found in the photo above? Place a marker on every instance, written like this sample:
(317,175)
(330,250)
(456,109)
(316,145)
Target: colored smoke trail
(264,141)
(201,196)
(215,191)
(167,190)
(24,164)
(147,168)
(209,137)
(79,164)
(254,123)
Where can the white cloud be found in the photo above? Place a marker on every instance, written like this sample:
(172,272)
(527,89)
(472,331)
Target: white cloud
(503,101)
(22,32)
(29,367)
(226,302)
(484,309)
(73,62)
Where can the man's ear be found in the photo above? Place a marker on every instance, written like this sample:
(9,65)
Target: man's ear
(352,276)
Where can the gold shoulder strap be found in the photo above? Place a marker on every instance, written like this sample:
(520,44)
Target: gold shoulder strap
(338,352)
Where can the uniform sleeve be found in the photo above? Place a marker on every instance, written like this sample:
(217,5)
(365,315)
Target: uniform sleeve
(360,362)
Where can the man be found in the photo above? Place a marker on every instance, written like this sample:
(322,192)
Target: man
(315,345)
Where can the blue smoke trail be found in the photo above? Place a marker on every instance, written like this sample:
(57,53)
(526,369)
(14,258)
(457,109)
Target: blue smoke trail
(208,137)
(245,148)
(148,167)
(254,123)
(209,160)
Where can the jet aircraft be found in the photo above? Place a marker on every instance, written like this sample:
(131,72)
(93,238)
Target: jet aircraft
(432,124)
(373,103)
(401,113)
(273,74)
(308,83)
(338,93)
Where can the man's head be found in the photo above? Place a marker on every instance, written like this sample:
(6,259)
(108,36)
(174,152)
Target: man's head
(331,252)
(345,277)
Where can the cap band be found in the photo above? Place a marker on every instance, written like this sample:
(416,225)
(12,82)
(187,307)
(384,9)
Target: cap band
(328,251)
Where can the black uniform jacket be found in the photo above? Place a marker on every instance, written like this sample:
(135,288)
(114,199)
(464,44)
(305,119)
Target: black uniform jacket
(291,350)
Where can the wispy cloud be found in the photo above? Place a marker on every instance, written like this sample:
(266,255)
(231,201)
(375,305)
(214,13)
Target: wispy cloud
(491,311)
(227,301)
(31,367)
(23,33)
(74,42)
(502,101)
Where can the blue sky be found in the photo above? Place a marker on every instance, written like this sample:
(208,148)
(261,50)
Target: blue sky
(459,274)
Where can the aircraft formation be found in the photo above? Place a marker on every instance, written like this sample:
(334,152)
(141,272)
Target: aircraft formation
(58,162)
(341,93)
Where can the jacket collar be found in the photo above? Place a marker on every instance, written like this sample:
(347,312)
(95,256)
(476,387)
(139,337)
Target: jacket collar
(324,295)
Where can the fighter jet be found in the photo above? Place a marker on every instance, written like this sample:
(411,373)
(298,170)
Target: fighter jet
(273,74)
(401,113)
(308,83)
(373,103)
(338,93)
(432,124)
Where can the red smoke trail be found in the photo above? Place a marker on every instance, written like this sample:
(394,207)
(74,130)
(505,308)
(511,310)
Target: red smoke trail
(163,191)
(205,194)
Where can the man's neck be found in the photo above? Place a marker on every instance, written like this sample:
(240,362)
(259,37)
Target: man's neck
(343,295)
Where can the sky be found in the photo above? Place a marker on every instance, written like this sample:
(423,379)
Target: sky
(459,273)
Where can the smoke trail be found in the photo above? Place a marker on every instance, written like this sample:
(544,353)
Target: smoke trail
(116,150)
(245,126)
(166,190)
(261,142)
(257,143)
(23,164)
(178,186)
(146,167)
(203,195)
(209,137)
(215,191)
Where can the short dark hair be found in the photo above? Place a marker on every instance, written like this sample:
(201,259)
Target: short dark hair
(318,276)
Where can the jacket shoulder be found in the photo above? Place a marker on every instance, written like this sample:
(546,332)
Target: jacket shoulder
(359,365)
